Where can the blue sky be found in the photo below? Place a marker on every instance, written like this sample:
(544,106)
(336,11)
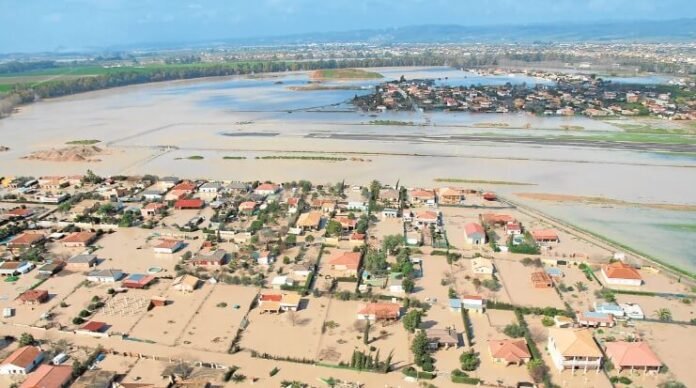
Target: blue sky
(46,25)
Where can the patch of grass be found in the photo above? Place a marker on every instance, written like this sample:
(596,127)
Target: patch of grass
(83,142)
(392,122)
(679,227)
(482,181)
(192,157)
(345,74)
(234,157)
(289,157)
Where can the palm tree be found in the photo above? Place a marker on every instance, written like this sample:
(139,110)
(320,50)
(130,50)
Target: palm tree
(664,314)
(580,286)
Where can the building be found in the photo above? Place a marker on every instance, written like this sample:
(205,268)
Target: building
(574,349)
(426,218)
(540,279)
(265,189)
(309,221)
(475,234)
(49,376)
(595,319)
(450,196)
(379,312)
(513,228)
(446,338)
(279,282)
(95,378)
(390,213)
(632,310)
(25,240)
(186,283)
(620,274)
(609,308)
(474,303)
(168,246)
(194,203)
(207,258)
(482,267)
(94,327)
(105,275)
(82,262)
(509,351)
(22,361)
(632,356)
(12,268)
(78,239)
(51,268)
(152,209)
(265,258)
(277,302)
(33,297)
(420,196)
(347,263)
(138,281)
(545,236)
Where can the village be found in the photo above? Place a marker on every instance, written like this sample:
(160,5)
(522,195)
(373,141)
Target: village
(145,281)
(557,94)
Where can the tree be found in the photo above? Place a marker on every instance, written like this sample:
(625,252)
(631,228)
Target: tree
(391,242)
(514,330)
(408,285)
(580,286)
(91,177)
(664,314)
(469,361)
(537,370)
(333,228)
(419,348)
(366,333)
(309,239)
(412,320)
(26,339)
(374,190)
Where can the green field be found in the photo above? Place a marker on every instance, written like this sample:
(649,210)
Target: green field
(83,142)
(345,74)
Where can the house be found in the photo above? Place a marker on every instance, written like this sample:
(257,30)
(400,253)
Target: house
(357,239)
(152,209)
(621,274)
(455,304)
(309,221)
(388,195)
(513,229)
(186,283)
(181,190)
(18,213)
(379,312)
(475,234)
(347,224)
(595,319)
(78,239)
(301,271)
(22,361)
(540,279)
(390,213)
(473,303)
(632,310)
(563,321)
(246,207)
(442,338)
(545,236)
(33,296)
(215,258)
(12,268)
(168,246)
(194,203)
(210,189)
(420,196)
(396,284)
(265,189)
(632,356)
(574,349)
(265,258)
(49,376)
(95,378)
(328,206)
(82,262)
(152,195)
(347,263)
(609,308)
(450,196)
(168,182)
(278,282)
(483,267)
(25,240)
(496,219)
(51,268)
(427,217)
(105,275)
(94,327)
(293,205)
(273,302)
(138,281)
(509,351)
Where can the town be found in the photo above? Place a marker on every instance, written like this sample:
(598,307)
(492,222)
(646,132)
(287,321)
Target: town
(567,94)
(146,281)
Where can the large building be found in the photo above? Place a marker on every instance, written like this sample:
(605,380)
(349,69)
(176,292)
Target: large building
(574,349)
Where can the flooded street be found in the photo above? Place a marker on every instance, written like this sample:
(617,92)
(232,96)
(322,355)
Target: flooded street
(154,129)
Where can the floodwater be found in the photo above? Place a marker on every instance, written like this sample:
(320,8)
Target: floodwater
(154,128)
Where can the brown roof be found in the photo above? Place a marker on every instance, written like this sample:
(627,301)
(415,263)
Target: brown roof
(26,239)
(94,326)
(381,310)
(33,295)
(79,237)
(349,259)
(632,354)
(168,244)
(23,356)
(540,277)
(575,343)
(510,350)
(619,270)
(48,376)
(311,219)
(544,234)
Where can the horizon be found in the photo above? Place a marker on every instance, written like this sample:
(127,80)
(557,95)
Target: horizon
(91,25)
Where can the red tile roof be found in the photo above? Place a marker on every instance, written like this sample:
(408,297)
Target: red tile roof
(472,228)
(350,260)
(512,351)
(23,356)
(632,354)
(79,237)
(381,310)
(544,235)
(26,239)
(194,203)
(93,326)
(34,296)
(619,270)
(48,376)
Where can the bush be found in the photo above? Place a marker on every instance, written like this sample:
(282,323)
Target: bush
(547,321)
(514,330)
(457,376)
(470,361)
(625,380)
(84,313)
(273,372)
(78,321)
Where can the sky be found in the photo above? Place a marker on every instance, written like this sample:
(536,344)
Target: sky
(61,25)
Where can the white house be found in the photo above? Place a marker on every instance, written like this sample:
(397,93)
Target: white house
(152,195)
(265,258)
(574,349)
(22,361)
(475,234)
(9,268)
(105,275)
(390,213)
(279,281)
(620,274)
(632,310)
(357,205)
(473,302)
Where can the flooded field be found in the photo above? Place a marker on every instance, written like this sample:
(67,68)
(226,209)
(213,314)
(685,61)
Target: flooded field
(155,129)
